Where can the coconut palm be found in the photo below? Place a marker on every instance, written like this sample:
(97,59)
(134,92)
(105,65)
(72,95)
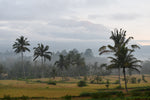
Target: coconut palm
(62,64)
(20,46)
(128,60)
(42,51)
(119,39)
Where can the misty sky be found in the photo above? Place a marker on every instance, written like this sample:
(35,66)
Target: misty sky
(67,24)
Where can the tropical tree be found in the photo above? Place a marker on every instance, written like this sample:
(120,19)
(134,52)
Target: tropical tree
(61,64)
(42,51)
(127,60)
(119,39)
(20,46)
(123,57)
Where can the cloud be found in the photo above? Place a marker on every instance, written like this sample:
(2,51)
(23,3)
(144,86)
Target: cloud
(56,30)
(32,9)
(125,16)
(143,42)
(46,9)
(79,29)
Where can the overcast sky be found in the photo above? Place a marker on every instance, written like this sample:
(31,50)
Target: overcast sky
(67,24)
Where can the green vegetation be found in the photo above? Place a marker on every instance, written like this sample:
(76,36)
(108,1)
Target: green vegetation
(51,82)
(143,78)
(82,83)
(69,76)
(20,46)
(123,57)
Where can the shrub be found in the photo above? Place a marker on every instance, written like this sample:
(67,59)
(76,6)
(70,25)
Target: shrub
(133,80)
(119,87)
(98,78)
(147,88)
(39,81)
(85,94)
(147,93)
(101,95)
(92,81)
(136,93)
(7,97)
(51,82)
(102,82)
(120,94)
(107,84)
(24,97)
(116,82)
(67,97)
(139,80)
(82,83)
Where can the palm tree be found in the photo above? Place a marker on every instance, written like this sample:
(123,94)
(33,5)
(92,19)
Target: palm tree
(42,51)
(119,39)
(62,64)
(20,46)
(128,61)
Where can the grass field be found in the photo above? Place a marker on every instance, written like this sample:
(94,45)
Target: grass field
(30,88)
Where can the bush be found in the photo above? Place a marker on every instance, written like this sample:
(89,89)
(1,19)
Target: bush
(24,97)
(136,93)
(141,89)
(7,97)
(147,93)
(67,97)
(107,84)
(39,81)
(82,83)
(120,94)
(133,80)
(139,80)
(98,78)
(92,81)
(51,82)
(119,87)
(85,94)
(116,82)
(100,95)
(107,94)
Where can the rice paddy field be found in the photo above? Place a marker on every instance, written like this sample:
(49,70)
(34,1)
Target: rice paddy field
(33,88)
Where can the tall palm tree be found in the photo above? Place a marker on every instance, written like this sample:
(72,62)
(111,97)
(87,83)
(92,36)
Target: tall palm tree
(20,46)
(128,60)
(119,39)
(42,51)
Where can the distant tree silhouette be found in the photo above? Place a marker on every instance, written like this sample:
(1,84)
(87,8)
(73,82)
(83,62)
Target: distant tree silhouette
(42,51)
(20,46)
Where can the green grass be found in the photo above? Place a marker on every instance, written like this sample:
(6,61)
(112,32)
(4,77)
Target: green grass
(39,87)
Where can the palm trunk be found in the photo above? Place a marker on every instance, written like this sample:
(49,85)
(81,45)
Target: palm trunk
(42,73)
(124,72)
(23,65)
(119,76)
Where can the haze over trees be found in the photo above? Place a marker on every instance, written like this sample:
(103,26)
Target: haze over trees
(42,51)
(73,63)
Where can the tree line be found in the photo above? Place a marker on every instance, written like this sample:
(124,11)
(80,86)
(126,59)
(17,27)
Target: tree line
(73,63)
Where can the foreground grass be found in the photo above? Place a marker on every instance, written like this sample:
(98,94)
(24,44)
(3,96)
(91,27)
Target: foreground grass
(16,88)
